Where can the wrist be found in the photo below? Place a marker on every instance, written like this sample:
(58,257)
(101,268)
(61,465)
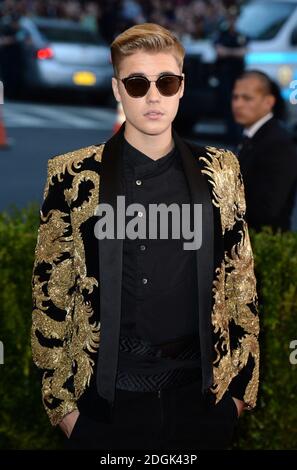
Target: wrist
(240,405)
(68,422)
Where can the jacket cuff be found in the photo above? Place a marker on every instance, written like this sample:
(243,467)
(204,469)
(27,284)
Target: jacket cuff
(238,388)
(240,384)
(57,414)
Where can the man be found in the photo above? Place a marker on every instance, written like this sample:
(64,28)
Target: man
(231,47)
(10,54)
(267,157)
(145,344)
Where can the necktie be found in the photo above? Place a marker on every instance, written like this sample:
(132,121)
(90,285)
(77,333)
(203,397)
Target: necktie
(244,154)
(244,144)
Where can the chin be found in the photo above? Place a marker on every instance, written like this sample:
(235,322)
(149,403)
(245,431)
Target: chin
(241,122)
(154,128)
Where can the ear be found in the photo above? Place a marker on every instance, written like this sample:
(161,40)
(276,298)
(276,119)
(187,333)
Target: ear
(270,101)
(115,89)
(182,87)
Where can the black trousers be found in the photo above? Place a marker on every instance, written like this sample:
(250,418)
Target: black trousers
(177,418)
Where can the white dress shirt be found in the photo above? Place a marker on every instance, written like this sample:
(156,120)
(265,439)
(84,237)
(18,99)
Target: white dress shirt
(251,131)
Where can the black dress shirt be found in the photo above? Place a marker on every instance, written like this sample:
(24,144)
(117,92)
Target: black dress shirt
(159,284)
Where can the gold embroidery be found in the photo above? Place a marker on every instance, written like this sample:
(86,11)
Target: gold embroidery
(79,336)
(61,281)
(51,241)
(54,386)
(241,284)
(251,390)
(219,315)
(234,288)
(98,153)
(56,414)
(222,168)
(49,328)
(48,358)
(85,338)
(70,162)
(232,303)
(38,294)
(78,216)
(223,374)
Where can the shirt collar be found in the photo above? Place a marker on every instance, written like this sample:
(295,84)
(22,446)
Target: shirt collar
(142,163)
(251,131)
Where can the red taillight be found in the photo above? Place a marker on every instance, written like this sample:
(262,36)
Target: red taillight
(46,53)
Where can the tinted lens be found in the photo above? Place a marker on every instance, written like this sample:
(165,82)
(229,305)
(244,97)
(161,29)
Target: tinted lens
(168,85)
(137,86)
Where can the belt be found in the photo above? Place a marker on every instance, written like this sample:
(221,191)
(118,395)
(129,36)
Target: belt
(146,367)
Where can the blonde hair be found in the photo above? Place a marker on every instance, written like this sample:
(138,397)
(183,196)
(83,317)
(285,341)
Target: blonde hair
(148,37)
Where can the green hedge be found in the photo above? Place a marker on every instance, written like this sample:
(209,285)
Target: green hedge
(23,422)
(274,423)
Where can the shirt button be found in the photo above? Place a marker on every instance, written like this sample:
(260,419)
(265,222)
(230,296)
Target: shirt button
(144,280)
(138,182)
(140,214)
(142,247)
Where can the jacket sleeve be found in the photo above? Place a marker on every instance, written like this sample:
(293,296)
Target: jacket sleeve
(241,300)
(235,310)
(53,286)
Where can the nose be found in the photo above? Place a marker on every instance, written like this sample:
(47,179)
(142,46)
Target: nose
(236,102)
(153,93)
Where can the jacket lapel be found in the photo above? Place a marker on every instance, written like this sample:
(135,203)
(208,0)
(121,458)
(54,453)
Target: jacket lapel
(200,194)
(110,270)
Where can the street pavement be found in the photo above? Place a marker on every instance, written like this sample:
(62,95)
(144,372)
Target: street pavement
(37,133)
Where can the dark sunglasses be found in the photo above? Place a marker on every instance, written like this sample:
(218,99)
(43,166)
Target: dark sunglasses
(137,86)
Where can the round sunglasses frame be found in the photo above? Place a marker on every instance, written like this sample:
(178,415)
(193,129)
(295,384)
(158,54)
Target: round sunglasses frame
(148,83)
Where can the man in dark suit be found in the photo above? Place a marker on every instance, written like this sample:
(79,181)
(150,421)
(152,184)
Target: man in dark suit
(268,158)
(144,343)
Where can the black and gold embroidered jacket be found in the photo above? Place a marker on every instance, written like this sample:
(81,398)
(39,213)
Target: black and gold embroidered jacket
(76,276)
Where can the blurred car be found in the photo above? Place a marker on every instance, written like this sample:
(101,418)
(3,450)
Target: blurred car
(62,54)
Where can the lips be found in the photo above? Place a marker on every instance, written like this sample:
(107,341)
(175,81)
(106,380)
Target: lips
(153,114)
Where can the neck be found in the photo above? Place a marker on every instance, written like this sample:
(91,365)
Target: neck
(253,128)
(154,146)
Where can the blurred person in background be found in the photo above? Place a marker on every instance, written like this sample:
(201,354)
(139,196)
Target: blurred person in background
(213,17)
(231,48)
(110,19)
(132,12)
(194,19)
(136,347)
(267,154)
(73,10)
(90,16)
(10,54)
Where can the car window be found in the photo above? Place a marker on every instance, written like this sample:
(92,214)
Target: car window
(263,20)
(70,35)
